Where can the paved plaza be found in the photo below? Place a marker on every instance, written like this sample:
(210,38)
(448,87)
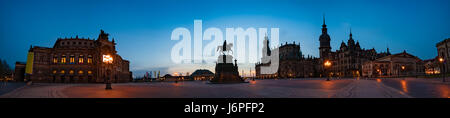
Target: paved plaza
(281,88)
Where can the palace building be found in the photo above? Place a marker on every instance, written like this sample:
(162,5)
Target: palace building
(77,60)
(348,59)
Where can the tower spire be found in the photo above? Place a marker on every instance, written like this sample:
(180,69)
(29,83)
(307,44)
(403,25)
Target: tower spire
(351,32)
(324,25)
(324,40)
(387,50)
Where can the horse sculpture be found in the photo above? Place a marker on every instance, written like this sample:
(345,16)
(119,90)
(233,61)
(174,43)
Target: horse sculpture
(227,48)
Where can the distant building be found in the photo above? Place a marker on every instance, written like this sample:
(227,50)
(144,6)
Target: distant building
(169,77)
(77,60)
(19,71)
(397,65)
(444,52)
(432,66)
(202,74)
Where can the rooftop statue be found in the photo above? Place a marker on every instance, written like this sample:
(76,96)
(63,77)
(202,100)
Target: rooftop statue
(225,48)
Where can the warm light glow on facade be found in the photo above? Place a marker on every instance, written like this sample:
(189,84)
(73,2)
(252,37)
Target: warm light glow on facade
(107,59)
(403,67)
(441,59)
(327,63)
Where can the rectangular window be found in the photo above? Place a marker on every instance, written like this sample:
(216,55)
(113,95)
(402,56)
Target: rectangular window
(72,59)
(63,59)
(55,60)
(89,60)
(81,60)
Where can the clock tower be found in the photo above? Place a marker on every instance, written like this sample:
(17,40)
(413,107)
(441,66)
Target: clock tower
(324,39)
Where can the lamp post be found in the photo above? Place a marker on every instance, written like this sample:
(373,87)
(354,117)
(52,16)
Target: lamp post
(327,64)
(379,72)
(403,71)
(108,60)
(442,61)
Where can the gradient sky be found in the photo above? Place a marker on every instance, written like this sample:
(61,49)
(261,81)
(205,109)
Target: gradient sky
(142,29)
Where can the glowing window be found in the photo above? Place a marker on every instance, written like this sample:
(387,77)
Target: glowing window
(107,59)
(54,71)
(63,59)
(89,60)
(62,72)
(89,72)
(81,59)
(71,72)
(72,59)
(80,72)
(55,60)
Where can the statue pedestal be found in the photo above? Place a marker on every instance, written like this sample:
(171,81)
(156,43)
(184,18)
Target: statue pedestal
(226,73)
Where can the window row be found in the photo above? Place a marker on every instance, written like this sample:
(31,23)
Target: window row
(80,72)
(74,43)
(72,60)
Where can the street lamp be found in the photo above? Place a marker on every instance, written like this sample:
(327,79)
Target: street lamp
(442,61)
(326,65)
(108,60)
(403,71)
(379,72)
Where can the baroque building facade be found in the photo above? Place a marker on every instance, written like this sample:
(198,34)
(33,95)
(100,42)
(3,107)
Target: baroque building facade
(348,59)
(291,63)
(78,60)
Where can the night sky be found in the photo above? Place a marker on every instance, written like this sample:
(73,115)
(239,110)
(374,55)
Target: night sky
(142,29)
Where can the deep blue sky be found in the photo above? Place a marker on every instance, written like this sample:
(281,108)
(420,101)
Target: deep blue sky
(142,29)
